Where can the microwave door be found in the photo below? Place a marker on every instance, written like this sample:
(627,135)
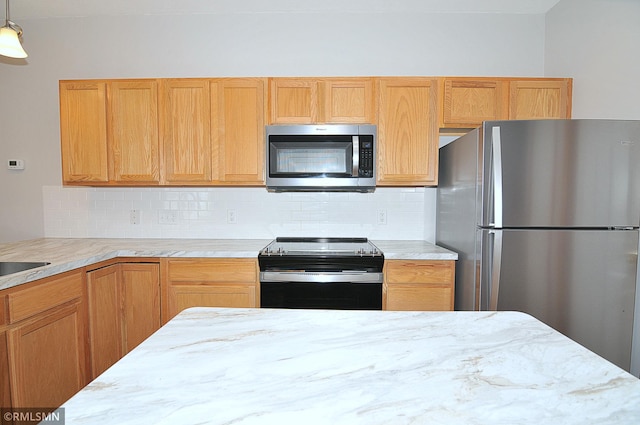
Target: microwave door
(326,158)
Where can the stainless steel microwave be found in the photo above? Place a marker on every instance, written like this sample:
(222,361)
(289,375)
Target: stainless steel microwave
(332,157)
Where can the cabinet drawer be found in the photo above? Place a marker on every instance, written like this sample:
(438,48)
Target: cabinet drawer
(213,270)
(28,302)
(431,272)
(419,297)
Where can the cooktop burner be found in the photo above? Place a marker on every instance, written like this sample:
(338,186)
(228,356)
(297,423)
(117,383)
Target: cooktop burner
(324,247)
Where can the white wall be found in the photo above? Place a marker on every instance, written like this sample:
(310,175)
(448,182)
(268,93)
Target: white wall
(597,42)
(234,44)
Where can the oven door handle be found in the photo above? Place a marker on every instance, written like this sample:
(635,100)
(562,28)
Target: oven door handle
(321,277)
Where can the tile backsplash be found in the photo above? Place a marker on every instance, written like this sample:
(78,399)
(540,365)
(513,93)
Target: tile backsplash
(238,213)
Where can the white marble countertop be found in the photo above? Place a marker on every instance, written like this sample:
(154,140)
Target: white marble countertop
(68,254)
(265,366)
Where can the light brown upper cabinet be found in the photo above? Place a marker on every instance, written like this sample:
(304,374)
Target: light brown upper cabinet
(238,114)
(133,122)
(186,131)
(467,102)
(540,98)
(407,131)
(109,132)
(83,132)
(322,100)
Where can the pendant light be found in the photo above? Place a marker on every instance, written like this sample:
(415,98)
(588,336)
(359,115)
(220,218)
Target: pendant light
(10,38)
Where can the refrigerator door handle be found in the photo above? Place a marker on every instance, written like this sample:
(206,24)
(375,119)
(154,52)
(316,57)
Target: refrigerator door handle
(497,176)
(496,265)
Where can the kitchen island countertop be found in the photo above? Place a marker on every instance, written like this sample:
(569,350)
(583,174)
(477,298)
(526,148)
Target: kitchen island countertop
(269,366)
(66,254)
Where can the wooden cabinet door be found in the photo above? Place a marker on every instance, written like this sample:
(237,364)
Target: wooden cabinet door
(407,132)
(5,383)
(468,102)
(133,125)
(347,100)
(105,320)
(238,119)
(83,132)
(185,122)
(47,358)
(141,307)
(209,282)
(536,99)
(293,100)
(322,100)
(124,310)
(419,285)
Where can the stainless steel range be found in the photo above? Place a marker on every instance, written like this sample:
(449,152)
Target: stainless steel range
(327,273)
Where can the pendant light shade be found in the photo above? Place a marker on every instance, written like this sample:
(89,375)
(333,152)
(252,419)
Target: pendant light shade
(10,38)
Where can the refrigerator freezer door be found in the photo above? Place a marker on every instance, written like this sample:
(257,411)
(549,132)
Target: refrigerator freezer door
(580,282)
(561,173)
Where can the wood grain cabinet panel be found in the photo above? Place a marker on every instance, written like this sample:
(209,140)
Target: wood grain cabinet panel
(47,350)
(186,131)
(124,310)
(331,100)
(407,132)
(293,100)
(238,120)
(209,282)
(5,383)
(467,102)
(109,132)
(133,124)
(537,99)
(83,132)
(347,100)
(419,285)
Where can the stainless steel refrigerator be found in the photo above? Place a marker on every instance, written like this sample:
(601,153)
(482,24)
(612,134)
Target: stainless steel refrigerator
(544,216)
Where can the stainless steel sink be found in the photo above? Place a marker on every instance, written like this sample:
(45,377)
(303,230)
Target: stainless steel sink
(9,267)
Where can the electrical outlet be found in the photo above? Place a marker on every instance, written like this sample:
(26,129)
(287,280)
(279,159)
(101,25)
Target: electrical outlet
(382,216)
(232,217)
(167,217)
(134,216)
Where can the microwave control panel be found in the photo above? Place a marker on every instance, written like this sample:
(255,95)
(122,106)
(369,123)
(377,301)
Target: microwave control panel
(366,157)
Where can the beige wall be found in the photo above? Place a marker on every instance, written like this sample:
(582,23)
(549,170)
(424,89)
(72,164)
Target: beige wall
(223,44)
(597,43)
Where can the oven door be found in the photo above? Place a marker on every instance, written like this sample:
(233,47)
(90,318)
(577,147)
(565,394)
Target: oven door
(327,290)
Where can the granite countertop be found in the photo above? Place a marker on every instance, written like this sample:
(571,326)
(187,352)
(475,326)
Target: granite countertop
(68,254)
(269,366)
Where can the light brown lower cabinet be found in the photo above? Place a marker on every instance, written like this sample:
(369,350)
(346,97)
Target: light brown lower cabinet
(424,285)
(209,282)
(46,341)
(124,309)
(5,385)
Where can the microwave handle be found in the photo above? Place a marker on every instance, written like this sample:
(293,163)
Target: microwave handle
(356,156)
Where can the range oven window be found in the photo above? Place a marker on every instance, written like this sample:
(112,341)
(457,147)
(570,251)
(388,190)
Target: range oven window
(331,296)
